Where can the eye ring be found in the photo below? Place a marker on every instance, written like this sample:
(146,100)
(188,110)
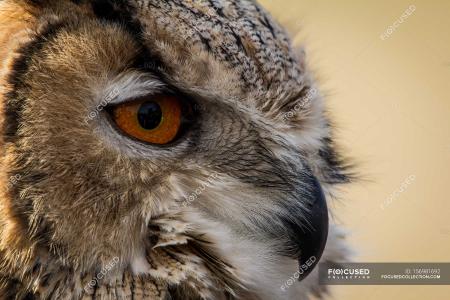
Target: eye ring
(156,119)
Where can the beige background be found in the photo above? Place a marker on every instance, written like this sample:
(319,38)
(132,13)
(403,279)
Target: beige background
(391,101)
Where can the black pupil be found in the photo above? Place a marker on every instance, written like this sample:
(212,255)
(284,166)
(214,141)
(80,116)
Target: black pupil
(149,115)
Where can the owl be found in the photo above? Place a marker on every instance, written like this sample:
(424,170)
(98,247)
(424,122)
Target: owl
(161,149)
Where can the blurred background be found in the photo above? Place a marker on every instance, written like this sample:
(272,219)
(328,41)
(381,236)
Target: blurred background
(385,68)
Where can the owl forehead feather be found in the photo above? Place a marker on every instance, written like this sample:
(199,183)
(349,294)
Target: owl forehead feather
(237,33)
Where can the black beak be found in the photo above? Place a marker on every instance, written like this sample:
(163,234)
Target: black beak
(314,237)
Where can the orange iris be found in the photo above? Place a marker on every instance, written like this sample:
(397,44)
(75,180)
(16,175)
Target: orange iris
(154,119)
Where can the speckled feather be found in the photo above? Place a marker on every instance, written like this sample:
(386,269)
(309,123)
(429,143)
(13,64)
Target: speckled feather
(85,198)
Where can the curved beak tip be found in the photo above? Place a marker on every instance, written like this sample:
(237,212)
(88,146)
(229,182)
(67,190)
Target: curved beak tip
(314,239)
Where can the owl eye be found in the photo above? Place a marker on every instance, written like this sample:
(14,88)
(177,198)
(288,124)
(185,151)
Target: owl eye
(153,119)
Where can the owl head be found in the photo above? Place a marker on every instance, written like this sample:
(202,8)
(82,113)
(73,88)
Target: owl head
(116,115)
